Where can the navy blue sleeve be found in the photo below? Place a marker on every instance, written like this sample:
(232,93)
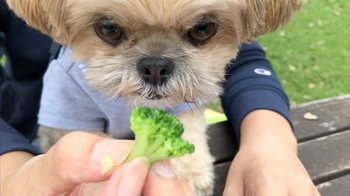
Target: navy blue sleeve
(28,53)
(12,140)
(252,84)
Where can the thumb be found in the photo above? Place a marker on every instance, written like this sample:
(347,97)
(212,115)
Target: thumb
(163,180)
(76,159)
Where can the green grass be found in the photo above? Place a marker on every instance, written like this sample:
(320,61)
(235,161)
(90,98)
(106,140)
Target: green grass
(311,54)
(2,60)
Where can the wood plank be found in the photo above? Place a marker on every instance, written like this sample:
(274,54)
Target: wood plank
(221,171)
(221,142)
(337,187)
(326,157)
(333,116)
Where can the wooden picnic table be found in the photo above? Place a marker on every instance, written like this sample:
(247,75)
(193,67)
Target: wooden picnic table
(324,145)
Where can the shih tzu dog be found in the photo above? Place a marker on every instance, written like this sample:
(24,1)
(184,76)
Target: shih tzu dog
(157,53)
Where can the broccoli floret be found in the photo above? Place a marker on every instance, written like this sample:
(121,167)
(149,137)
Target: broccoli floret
(157,135)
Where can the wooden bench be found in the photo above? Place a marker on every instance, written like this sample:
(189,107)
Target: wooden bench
(324,145)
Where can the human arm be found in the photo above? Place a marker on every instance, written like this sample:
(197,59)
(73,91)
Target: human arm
(258,110)
(27,54)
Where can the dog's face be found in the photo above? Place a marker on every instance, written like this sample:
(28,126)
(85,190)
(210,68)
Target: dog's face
(156,52)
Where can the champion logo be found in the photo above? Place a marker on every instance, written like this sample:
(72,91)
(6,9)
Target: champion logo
(262,71)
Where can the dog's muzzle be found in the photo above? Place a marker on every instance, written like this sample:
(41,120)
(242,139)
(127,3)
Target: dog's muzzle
(155,70)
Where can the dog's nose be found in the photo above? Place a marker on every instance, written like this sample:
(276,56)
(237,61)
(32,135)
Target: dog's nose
(155,70)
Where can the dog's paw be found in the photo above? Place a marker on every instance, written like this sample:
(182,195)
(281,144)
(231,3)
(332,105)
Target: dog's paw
(198,173)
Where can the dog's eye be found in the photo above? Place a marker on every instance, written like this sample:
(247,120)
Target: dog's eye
(108,32)
(202,32)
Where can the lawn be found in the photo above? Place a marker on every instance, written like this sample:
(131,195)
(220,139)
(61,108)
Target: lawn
(311,54)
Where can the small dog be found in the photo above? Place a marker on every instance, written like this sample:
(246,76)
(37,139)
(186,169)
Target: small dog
(158,53)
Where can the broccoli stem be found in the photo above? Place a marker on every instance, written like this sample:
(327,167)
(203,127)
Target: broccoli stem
(145,147)
(154,145)
(157,156)
(141,142)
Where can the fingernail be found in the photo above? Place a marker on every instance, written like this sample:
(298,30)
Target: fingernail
(116,150)
(164,169)
(132,174)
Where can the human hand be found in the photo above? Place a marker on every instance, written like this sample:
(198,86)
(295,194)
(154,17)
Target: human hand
(268,172)
(267,163)
(73,167)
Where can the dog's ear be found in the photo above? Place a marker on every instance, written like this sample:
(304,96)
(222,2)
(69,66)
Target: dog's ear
(44,15)
(263,16)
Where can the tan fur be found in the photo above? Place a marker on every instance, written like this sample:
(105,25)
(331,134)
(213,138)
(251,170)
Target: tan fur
(159,29)
(197,169)
(263,16)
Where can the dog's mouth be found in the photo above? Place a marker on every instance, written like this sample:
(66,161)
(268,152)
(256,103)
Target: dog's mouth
(152,95)
(156,96)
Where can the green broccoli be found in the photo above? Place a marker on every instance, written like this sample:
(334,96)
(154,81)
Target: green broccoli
(157,135)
